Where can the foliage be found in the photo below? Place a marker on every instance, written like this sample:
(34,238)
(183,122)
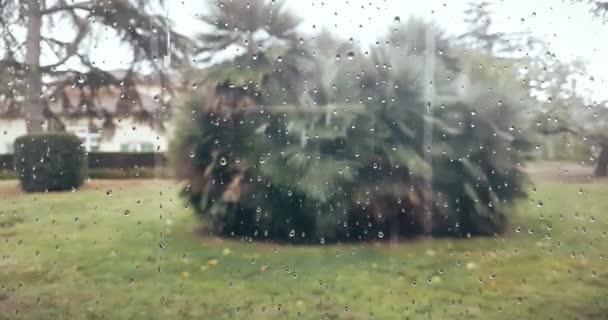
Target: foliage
(253,26)
(130,173)
(126,160)
(590,123)
(598,8)
(482,37)
(270,65)
(567,118)
(50,162)
(109,165)
(364,154)
(28,31)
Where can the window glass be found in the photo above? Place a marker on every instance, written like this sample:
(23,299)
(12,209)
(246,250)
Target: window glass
(283,159)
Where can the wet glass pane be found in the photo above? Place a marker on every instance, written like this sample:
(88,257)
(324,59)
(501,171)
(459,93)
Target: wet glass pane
(258,159)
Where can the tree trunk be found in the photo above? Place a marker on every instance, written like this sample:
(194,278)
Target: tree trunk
(32,107)
(601,169)
(250,45)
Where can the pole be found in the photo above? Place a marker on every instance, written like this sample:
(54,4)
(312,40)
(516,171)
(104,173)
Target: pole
(429,98)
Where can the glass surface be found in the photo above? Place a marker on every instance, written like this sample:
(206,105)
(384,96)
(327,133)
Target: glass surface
(269,159)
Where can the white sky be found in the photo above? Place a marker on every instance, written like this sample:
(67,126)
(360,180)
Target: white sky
(569,29)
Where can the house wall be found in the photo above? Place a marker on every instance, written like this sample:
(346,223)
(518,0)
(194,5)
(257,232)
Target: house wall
(10,129)
(129,136)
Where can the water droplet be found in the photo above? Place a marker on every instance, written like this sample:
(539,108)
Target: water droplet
(350,55)
(223,161)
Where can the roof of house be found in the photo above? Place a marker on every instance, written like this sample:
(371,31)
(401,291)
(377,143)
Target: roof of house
(117,92)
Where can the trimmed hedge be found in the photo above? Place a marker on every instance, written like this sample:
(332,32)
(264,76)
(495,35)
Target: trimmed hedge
(7,162)
(139,173)
(123,160)
(50,161)
(109,165)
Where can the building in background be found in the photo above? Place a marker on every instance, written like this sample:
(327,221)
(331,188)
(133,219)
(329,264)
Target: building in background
(112,119)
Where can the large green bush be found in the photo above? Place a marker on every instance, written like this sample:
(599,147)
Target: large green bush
(354,174)
(372,160)
(50,161)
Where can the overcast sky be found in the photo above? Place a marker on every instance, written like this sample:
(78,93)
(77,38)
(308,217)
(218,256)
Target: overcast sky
(569,29)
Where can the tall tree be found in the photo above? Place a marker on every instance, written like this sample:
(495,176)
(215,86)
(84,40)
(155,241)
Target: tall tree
(251,26)
(47,62)
(547,81)
(269,67)
(593,122)
(483,37)
(269,61)
(598,8)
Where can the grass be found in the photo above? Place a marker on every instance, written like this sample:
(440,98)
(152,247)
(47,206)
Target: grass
(119,250)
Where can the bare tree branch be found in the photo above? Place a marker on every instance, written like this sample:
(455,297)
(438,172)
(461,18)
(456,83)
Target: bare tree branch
(72,48)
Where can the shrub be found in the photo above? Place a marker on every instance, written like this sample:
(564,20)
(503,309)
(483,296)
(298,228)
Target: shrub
(126,160)
(50,161)
(7,162)
(358,175)
(385,163)
(133,173)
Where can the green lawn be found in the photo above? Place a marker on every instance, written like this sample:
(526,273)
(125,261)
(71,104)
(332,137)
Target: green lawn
(137,253)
